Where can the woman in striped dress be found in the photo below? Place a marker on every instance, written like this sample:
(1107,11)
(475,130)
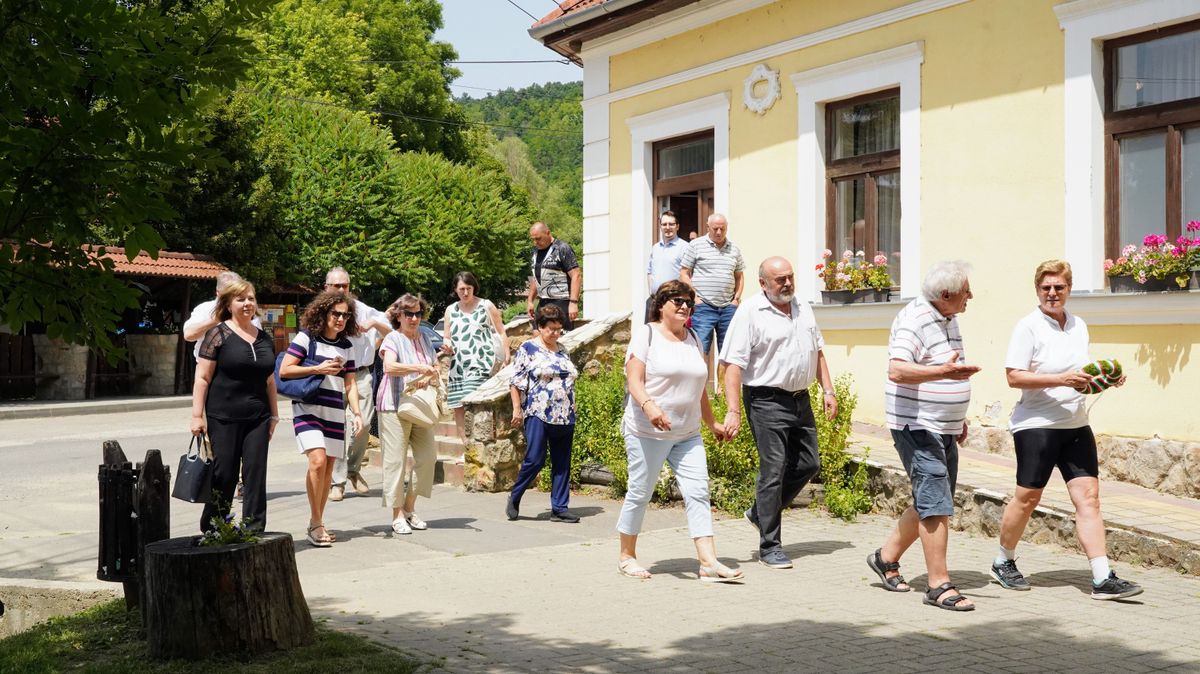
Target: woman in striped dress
(320,430)
(471,326)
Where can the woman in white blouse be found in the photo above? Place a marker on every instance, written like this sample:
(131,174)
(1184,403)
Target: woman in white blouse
(666,375)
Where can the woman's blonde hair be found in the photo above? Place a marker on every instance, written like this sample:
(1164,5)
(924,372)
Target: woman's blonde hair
(227,294)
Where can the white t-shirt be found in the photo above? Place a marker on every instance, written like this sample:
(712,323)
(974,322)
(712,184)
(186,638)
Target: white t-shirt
(363,350)
(774,348)
(202,314)
(1040,346)
(675,378)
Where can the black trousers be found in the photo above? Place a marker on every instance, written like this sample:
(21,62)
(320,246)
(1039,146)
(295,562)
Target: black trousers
(239,446)
(568,324)
(786,434)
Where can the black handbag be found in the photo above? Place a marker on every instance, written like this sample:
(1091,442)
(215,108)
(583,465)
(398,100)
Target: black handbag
(193,480)
(301,389)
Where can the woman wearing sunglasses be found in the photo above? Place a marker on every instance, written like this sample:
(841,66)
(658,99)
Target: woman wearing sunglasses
(409,362)
(666,375)
(325,327)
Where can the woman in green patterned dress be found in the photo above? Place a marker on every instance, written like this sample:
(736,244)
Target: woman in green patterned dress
(474,334)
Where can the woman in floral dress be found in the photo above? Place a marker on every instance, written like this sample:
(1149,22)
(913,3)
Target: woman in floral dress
(544,377)
(471,326)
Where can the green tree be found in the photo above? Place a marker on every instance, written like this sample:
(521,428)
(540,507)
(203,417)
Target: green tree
(99,105)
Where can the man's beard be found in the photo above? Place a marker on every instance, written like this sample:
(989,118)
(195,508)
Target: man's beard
(783,297)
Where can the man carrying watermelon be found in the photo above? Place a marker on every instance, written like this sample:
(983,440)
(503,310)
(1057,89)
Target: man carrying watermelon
(1048,361)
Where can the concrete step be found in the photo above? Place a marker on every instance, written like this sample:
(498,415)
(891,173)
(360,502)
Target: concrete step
(449,470)
(1142,525)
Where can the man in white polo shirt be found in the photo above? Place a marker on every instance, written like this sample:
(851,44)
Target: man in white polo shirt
(713,266)
(372,326)
(928,392)
(772,354)
(664,258)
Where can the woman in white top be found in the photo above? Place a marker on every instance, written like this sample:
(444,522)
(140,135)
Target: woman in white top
(666,375)
(1050,428)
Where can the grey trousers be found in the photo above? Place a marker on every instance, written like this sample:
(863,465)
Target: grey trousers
(786,434)
(356,448)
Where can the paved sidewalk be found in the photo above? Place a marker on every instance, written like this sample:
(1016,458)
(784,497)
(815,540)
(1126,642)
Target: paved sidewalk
(1125,506)
(40,409)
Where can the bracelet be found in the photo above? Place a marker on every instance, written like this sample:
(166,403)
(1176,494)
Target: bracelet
(829,394)
(274,418)
(643,405)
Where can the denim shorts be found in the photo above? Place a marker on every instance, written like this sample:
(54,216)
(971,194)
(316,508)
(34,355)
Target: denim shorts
(931,461)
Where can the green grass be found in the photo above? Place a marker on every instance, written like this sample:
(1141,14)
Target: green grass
(104,640)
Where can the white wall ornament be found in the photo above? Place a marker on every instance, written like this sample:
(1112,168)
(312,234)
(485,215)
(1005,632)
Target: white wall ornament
(770,79)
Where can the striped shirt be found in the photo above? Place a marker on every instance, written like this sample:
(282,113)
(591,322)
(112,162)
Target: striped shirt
(322,422)
(712,269)
(922,335)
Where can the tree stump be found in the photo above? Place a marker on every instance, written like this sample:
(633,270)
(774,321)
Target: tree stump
(243,599)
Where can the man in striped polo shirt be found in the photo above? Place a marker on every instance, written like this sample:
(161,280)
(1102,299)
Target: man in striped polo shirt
(713,266)
(928,392)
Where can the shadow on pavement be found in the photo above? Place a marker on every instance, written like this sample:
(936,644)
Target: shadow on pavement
(493,643)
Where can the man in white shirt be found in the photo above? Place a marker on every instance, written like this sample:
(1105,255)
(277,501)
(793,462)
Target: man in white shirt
(928,393)
(772,353)
(202,320)
(372,325)
(664,258)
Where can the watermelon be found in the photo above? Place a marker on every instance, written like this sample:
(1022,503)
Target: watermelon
(1105,373)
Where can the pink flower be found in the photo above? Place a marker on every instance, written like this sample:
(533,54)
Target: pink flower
(820,267)
(1193,226)
(880,259)
(1108,264)
(843,278)
(859,254)
(1122,260)
(1141,277)
(846,254)
(827,253)
(1128,250)
(1154,240)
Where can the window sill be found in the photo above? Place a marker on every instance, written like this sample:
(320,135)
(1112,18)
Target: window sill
(1177,307)
(866,316)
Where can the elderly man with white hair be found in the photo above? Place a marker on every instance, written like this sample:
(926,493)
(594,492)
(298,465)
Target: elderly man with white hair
(928,392)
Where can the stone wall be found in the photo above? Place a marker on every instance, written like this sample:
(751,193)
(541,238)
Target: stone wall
(61,369)
(495,447)
(152,363)
(979,511)
(1169,466)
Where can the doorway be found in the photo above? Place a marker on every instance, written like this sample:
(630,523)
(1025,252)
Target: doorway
(683,182)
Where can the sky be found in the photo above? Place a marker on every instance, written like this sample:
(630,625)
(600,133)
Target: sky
(496,30)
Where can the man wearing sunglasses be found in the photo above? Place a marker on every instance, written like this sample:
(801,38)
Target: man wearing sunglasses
(772,354)
(372,326)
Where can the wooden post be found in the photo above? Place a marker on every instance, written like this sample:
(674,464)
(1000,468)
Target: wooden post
(152,504)
(118,538)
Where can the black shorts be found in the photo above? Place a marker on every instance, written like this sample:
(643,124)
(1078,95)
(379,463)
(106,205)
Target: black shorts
(1039,450)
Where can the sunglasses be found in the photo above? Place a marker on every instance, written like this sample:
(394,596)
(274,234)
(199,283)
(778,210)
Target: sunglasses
(412,314)
(682,302)
(342,315)
(1057,288)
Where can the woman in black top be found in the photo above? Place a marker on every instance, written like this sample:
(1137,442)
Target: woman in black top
(234,401)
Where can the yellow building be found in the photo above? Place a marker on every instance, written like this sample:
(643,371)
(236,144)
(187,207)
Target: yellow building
(995,131)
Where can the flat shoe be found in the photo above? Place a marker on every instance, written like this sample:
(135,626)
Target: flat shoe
(401,527)
(416,522)
(360,485)
(720,574)
(630,567)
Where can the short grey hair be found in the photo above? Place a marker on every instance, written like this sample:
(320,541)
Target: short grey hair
(336,271)
(948,276)
(717,216)
(226,278)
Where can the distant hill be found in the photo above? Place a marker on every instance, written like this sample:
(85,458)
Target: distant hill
(553,130)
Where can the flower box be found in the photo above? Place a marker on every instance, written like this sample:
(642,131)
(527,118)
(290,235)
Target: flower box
(1128,284)
(1194,284)
(854,296)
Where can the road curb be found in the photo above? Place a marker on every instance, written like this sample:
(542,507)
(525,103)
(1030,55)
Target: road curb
(68,409)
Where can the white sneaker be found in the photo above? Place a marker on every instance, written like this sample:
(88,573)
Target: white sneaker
(415,522)
(401,527)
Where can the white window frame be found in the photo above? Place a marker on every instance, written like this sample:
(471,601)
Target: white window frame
(710,112)
(815,89)
(1086,25)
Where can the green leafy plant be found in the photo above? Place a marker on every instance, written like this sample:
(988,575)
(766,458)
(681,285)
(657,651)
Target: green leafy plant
(228,530)
(854,272)
(1159,259)
(845,481)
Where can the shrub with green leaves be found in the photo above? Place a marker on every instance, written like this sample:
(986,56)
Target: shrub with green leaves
(845,482)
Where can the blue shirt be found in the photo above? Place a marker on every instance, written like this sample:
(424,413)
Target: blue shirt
(664,262)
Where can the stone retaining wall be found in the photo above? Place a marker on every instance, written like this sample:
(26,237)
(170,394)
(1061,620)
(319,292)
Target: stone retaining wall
(979,511)
(495,448)
(1169,466)
(61,368)
(152,363)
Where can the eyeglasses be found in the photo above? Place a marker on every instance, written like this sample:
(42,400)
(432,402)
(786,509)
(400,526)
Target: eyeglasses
(1056,288)
(412,314)
(682,302)
(341,315)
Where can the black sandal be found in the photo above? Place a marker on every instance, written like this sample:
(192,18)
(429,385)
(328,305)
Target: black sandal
(949,603)
(881,568)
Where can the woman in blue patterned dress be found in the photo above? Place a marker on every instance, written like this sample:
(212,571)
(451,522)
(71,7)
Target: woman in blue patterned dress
(320,426)
(543,397)
(471,326)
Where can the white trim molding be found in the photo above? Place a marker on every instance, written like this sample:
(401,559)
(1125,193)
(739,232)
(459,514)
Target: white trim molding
(710,112)
(908,11)
(896,67)
(1166,308)
(597,253)
(1086,25)
(676,22)
(870,316)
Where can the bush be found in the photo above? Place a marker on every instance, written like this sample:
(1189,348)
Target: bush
(732,465)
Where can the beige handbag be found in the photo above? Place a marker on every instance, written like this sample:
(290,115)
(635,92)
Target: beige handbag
(420,407)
